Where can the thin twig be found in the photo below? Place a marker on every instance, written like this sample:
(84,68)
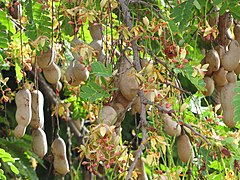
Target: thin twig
(127,18)
(195,132)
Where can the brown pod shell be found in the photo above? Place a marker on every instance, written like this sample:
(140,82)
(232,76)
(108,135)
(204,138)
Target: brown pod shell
(128,86)
(52,73)
(37,120)
(95,31)
(23,114)
(231,77)
(237,70)
(46,58)
(184,149)
(118,107)
(80,72)
(209,86)
(121,99)
(230,59)
(221,51)
(171,127)
(101,56)
(75,51)
(71,79)
(60,162)
(19,131)
(219,77)
(226,98)
(97,45)
(212,58)
(39,142)
(107,115)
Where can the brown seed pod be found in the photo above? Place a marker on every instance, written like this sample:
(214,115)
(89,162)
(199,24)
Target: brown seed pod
(71,79)
(137,107)
(212,58)
(231,77)
(52,73)
(95,30)
(37,120)
(184,149)
(75,43)
(171,127)
(80,72)
(128,85)
(209,86)
(39,141)
(119,109)
(23,114)
(219,77)
(119,98)
(59,86)
(226,97)
(97,45)
(237,70)
(60,162)
(221,51)
(107,115)
(46,58)
(230,59)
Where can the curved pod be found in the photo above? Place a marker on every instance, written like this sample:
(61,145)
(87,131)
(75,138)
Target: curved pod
(39,142)
(60,162)
(52,73)
(23,114)
(184,149)
(37,120)
(230,59)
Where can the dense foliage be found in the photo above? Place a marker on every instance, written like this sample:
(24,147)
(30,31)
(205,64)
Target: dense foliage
(127,89)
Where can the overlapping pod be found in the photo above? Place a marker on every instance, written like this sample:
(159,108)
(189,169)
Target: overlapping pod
(230,59)
(74,44)
(60,162)
(23,114)
(76,73)
(39,142)
(226,98)
(107,115)
(128,85)
(37,120)
(212,58)
(52,73)
(184,149)
(96,31)
(137,106)
(219,77)
(171,127)
(46,58)
(209,86)
(237,32)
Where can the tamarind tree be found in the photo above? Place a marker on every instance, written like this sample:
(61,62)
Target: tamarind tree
(119,89)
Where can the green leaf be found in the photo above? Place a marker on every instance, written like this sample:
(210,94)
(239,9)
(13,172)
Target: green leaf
(196,4)
(223,8)
(18,70)
(216,2)
(216,165)
(13,168)
(99,69)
